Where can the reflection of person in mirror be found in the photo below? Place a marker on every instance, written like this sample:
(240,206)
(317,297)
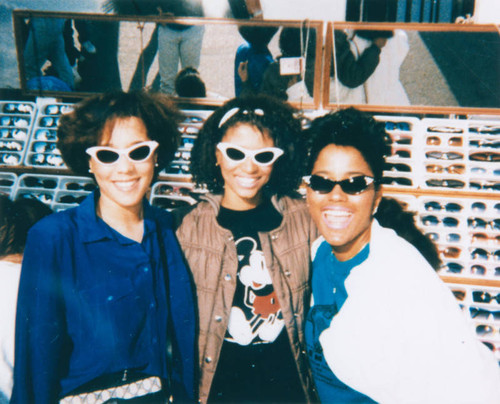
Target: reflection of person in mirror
(247,245)
(252,57)
(105,305)
(46,43)
(189,83)
(178,43)
(16,218)
(366,67)
(383,86)
(294,43)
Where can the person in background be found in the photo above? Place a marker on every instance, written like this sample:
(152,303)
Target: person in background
(16,218)
(383,327)
(105,306)
(252,57)
(293,43)
(247,245)
(178,43)
(189,83)
(45,42)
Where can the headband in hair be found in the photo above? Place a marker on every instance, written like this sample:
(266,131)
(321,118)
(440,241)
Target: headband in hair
(233,111)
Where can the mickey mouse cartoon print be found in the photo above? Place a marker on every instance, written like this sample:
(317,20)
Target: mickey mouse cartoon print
(256,315)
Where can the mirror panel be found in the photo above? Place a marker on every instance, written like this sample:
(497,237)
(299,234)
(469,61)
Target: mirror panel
(68,54)
(443,66)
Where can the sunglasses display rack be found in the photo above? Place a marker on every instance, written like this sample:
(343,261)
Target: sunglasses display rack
(481,306)
(57,191)
(42,149)
(189,128)
(447,154)
(402,168)
(16,120)
(170,195)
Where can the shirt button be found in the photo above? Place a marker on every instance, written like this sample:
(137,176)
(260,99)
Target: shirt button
(152,306)
(110,298)
(146,269)
(227,277)
(208,359)
(288,273)
(218,318)
(230,238)
(274,237)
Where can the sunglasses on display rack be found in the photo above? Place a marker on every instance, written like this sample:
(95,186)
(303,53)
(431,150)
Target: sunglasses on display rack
(403,126)
(136,154)
(480,296)
(351,186)
(488,185)
(401,139)
(14,121)
(77,186)
(485,156)
(482,254)
(445,183)
(397,181)
(397,167)
(495,144)
(54,109)
(452,141)
(453,267)
(478,223)
(13,108)
(485,238)
(484,314)
(452,169)
(9,159)
(449,207)
(444,129)
(451,252)
(434,221)
(477,270)
(485,130)
(485,330)
(35,182)
(450,237)
(438,155)
(237,154)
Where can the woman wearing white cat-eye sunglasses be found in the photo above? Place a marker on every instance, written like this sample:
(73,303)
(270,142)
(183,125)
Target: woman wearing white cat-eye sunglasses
(111,318)
(247,244)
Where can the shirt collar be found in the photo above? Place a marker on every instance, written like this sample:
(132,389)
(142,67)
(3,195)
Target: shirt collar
(92,228)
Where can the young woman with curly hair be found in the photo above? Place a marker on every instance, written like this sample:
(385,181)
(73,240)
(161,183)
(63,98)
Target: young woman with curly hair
(104,292)
(247,245)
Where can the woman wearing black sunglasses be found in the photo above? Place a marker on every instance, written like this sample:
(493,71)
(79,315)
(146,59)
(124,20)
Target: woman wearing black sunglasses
(104,293)
(382,327)
(247,244)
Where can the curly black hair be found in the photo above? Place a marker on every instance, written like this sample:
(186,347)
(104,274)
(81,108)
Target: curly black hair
(85,125)
(350,127)
(270,116)
(392,214)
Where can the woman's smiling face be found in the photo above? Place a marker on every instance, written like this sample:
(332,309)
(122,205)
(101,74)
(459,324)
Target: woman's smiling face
(123,184)
(344,220)
(243,181)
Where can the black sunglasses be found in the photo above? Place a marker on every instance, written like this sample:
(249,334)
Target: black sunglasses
(351,186)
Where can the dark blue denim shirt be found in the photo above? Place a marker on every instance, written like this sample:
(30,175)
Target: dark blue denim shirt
(93,303)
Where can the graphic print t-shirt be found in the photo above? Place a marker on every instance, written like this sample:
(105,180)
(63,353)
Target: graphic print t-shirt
(256,361)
